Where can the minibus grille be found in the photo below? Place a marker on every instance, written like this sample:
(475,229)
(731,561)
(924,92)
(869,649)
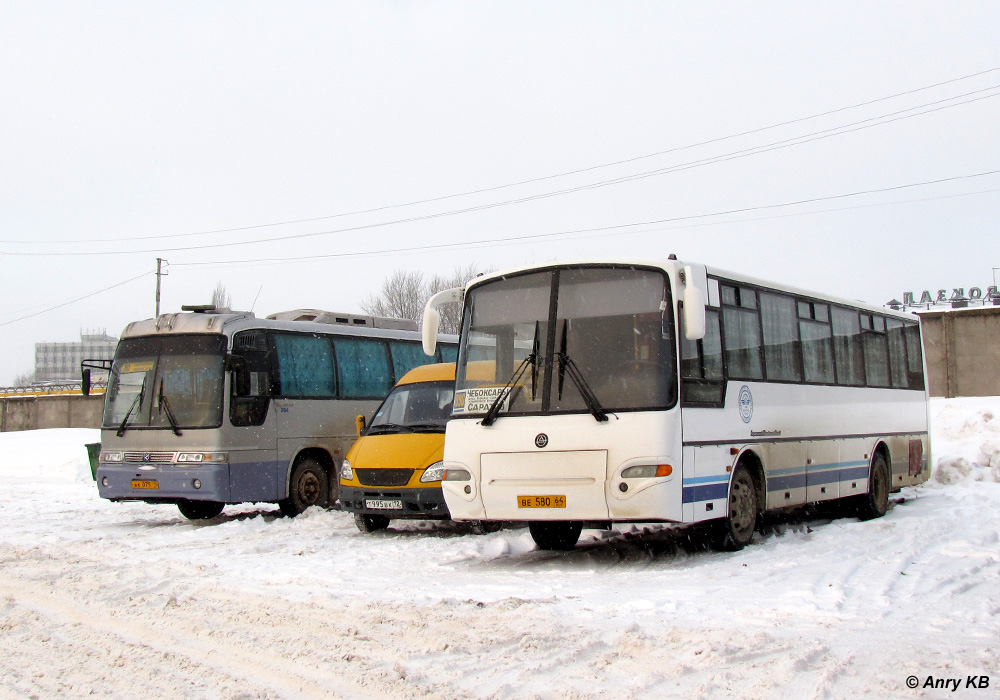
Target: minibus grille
(150,457)
(384,477)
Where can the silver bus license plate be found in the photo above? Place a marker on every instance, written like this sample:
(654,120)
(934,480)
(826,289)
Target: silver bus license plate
(378,504)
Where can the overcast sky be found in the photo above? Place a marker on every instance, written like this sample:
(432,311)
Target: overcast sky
(239,141)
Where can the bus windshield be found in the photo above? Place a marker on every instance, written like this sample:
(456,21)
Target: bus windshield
(169,383)
(569,340)
(421,407)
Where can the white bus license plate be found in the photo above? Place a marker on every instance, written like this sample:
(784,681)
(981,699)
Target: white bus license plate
(383,504)
(541,501)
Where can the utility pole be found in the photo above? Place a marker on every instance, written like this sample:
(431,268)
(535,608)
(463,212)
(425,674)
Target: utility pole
(159,273)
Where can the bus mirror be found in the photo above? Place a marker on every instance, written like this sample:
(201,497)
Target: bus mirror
(361,424)
(85,383)
(432,317)
(694,313)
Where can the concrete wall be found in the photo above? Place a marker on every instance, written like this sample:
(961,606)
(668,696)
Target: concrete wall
(63,411)
(963,351)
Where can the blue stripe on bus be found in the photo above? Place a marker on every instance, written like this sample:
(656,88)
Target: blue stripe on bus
(710,488)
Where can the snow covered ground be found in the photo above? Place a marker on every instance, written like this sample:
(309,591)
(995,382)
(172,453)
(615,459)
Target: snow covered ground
(110,600)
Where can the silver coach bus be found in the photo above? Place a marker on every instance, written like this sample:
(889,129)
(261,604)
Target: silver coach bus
(210,406)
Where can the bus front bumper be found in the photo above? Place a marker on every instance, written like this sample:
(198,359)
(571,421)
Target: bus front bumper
(421,504)
(163,484)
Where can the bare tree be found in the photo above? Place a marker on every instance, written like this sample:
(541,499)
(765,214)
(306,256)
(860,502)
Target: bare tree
(220,297)
(26,379)
(404,294)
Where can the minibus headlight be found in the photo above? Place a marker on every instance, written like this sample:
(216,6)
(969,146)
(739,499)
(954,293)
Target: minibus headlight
(456,475)
(346,473)
(435,472)
(647,471)
(110,457)
(199,457)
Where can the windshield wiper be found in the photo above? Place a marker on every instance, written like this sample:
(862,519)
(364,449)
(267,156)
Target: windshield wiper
(567,366)
(532,361)
(387,428)
(135,404)
(164,404)
(427,427)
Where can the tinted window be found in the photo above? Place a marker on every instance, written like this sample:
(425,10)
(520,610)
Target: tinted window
(781,337)
(363,369)
(847,349)
(305,365)
(742,336)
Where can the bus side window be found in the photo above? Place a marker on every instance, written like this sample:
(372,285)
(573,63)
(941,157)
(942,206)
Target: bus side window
(305,365)
(703,383)
(251,380)
(914,356)
(406,356)
(363,368)
(741,326)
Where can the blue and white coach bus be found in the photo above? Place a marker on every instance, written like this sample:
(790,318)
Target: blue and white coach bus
(671,392)
(210,407)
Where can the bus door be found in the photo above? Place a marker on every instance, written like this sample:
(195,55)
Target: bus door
(251,434)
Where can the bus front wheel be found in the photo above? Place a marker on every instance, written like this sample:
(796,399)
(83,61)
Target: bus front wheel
(308,486)
(559,536)
(735,531)
(200,510)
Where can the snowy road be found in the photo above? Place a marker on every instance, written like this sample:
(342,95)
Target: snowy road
(128,600)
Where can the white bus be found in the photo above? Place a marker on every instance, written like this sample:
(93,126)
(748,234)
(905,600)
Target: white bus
(670,392)
(210,407)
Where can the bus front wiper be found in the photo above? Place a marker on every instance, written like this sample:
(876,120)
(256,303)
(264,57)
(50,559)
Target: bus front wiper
(135,404)
(532,361)
(567,366)
(164,404)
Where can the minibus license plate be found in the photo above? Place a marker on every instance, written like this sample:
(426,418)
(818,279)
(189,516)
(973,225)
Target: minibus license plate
(137,484)
(383,504)
(541,501)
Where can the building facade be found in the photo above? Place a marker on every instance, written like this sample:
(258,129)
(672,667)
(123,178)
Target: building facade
(60,362)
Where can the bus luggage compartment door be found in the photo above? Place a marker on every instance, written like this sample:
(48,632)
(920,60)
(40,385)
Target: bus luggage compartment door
(545,485)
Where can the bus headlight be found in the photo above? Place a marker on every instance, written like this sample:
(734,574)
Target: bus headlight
(435,472)
(110,457)
(456,475)
(647,471)
(346,473)
(202,457)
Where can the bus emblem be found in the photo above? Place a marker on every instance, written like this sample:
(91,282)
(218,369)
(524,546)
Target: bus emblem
(541,440)
(145,457)
(746,404)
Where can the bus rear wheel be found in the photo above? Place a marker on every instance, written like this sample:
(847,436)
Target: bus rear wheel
(370,523)
(309,486)
(199,510)
(875,503)
(735,531)
(558,536)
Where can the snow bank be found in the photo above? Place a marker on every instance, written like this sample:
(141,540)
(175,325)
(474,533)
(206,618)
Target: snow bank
(53,455)
(965,439)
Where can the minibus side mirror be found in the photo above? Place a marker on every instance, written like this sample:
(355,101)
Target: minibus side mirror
(361,424)
(85,382)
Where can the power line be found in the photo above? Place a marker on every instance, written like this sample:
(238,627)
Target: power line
(756,150)
(604,229)
(73,301)
(561,174)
